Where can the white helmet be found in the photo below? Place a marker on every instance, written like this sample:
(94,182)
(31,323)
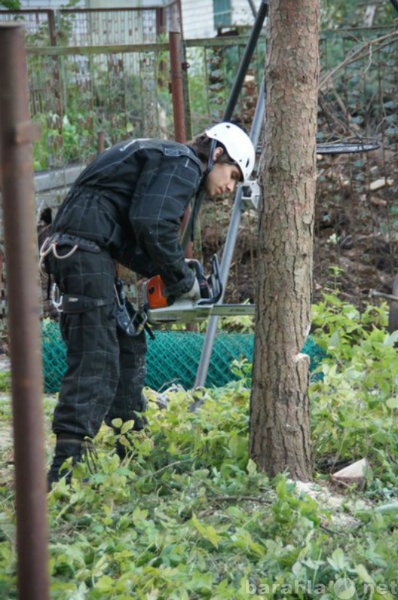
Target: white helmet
(238,145)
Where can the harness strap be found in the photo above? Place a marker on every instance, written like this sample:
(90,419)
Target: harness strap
(74,303)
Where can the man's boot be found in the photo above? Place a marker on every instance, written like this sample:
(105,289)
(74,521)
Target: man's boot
(67,446)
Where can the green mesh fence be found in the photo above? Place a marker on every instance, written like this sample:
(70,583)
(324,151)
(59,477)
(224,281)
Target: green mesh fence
(172,358)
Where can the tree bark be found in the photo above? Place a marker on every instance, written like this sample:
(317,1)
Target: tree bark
(280,437)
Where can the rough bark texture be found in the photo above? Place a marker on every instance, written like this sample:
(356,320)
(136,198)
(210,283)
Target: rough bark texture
(280,428)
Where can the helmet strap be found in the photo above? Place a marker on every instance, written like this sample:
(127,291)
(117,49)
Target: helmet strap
(198,198)
(210,160)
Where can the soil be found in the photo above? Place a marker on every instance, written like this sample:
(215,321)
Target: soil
(356,231)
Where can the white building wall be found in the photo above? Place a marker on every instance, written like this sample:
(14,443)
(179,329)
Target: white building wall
(43,4)
(110,4)
(242,13)
(198,17)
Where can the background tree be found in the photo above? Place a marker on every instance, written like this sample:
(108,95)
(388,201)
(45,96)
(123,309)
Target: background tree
(11,4)
(280,428)
(357,13)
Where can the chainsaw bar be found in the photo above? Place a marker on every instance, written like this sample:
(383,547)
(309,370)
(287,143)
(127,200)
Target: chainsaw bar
(346,147)
(186,311)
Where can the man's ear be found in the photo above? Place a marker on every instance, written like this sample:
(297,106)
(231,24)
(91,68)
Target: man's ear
(217,153)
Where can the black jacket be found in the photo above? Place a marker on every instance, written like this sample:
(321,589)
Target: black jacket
(131,200)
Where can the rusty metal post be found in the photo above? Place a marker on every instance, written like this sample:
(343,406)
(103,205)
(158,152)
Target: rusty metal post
(177,87)
(100,142)
(178,20)
(52,31)
(177,92)
(16,173)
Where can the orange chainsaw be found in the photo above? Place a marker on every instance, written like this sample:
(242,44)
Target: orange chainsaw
(160,309)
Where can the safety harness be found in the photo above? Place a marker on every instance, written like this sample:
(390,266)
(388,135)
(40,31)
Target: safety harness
(128,319)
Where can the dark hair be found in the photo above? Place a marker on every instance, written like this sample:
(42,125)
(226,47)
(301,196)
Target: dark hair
(201,144)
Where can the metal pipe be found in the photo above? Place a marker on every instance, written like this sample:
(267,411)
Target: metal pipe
(52,30)
(177,86)
(16,172)
(229,247)
(258,24)
(100,141)
(251,45)
(253,8)
(377,294)
(177,91)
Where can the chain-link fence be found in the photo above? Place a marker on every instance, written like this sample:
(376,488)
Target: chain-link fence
(173,356)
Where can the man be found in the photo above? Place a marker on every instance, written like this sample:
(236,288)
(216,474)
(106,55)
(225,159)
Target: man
(126,207)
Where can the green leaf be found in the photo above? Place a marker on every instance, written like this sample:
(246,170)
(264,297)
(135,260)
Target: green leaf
(140,515)
(363,574)
(392,402)
(207,532)
(338,560)
(127,426)
(344,588)
(251,467)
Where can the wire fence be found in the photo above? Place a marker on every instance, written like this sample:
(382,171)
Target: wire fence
(356,209)
(173,356)
(93,26)
(99,76)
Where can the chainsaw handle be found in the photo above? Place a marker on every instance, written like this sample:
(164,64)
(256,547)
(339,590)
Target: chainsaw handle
(213,283)
(195,266)
(197,269)
(210,287)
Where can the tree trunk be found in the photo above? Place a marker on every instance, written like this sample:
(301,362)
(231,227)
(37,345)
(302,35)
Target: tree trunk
(280,437)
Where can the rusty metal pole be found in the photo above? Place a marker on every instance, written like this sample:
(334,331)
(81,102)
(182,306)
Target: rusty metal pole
(101,142)
(16,173)
(52,32)
(177,92)
(177,86)
(178,25)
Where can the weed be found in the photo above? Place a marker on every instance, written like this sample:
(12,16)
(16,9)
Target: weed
(187,514)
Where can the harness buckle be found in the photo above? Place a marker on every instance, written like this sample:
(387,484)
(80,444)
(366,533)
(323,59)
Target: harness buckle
(56,298)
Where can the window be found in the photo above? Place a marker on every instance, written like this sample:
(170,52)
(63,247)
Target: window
(222,13)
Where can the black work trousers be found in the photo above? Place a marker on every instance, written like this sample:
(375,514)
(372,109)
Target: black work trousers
(105,367)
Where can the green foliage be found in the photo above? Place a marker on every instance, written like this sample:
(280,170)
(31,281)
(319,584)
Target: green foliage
(11,4)
(354,405)
(73,137)
(75,97)
(64,140)
(339,13)
(187,515)
(5,381)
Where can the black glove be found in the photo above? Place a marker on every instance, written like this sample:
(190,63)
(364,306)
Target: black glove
(204,288)
(194,293)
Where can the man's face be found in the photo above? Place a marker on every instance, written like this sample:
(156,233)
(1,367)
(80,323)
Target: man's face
(222,179)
